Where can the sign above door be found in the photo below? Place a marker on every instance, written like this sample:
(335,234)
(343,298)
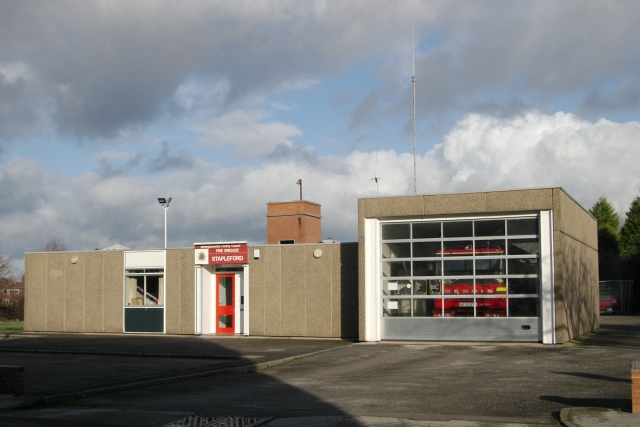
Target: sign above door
(221,253)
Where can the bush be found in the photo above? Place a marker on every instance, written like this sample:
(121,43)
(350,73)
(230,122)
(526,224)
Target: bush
(9,312)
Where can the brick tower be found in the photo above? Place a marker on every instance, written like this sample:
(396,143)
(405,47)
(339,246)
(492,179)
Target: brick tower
(293,222)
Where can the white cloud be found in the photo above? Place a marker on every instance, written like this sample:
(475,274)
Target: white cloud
(13,72)
(192,94)
(246,132)
(217,203)
(534,149)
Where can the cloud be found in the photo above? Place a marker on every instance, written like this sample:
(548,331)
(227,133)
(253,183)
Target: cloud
(168,160)
(21,189)
(622,98)
(245,132)
(364,111)
(484,55)
(194,94)
(98,68)
(114,164)
(534,149)
(297,154)
(118,163)
(293,152)
(23,110)
(210,202)
(109,66)
(298,84)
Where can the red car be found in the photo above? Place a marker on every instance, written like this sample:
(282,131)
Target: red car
(608,302)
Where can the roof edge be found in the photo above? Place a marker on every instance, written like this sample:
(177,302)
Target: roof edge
(554,187)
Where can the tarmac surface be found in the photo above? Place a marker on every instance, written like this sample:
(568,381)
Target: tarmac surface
(62,364)
(141,380)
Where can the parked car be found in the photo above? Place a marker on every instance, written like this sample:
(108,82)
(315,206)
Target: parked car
(608,302)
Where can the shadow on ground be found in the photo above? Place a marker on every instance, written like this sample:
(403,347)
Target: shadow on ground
(617,404)
(77,369)
(615,331)
(595,377)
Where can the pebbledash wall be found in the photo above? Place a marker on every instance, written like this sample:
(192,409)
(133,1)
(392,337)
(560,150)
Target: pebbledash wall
(389,285)
(292,291)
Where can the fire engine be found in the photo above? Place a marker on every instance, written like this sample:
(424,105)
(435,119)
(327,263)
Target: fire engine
(463,307)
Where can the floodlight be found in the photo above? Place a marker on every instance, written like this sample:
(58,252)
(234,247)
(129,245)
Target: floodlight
(162,200)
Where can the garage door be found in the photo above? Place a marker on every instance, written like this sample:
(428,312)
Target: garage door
(461,279)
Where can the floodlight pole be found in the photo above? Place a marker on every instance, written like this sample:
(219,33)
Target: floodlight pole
(165,225)
(165,205)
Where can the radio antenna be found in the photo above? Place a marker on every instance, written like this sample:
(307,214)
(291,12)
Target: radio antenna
(375,174)
(413,80)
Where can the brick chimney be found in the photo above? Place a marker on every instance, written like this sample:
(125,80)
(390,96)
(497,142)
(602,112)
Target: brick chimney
(293,222)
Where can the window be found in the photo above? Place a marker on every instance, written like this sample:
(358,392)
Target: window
(486,267)
(144,287)
(16,291)
(6,291)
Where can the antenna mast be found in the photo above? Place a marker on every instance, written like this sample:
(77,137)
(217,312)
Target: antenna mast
(413,80)
(375,174)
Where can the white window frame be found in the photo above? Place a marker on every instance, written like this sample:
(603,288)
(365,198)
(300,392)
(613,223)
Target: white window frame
(373,269)
(139,260)
(144,273)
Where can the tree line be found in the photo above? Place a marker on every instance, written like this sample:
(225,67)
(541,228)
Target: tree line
(619,243)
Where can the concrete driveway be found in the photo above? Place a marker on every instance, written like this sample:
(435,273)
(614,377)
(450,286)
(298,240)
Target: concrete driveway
(406,384)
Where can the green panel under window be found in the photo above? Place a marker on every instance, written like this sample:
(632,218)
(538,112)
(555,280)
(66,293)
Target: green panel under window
(144,319)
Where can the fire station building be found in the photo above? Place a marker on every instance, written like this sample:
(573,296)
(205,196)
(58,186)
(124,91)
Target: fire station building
(514,265)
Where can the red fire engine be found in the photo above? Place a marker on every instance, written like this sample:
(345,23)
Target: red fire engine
(463,307)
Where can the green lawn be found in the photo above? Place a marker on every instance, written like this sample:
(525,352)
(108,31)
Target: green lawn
(11,326)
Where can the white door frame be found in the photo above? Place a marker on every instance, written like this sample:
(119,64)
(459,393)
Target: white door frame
(205,300)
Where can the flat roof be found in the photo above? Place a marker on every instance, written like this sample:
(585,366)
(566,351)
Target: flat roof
(295,201)
(480,191)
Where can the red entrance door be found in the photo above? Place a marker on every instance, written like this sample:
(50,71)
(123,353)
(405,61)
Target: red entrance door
(225,297)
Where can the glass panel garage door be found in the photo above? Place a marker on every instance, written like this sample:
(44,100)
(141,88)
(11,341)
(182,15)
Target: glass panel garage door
(476,279)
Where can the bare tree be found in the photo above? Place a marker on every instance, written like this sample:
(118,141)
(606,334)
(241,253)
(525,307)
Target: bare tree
(54,245)
(7,270)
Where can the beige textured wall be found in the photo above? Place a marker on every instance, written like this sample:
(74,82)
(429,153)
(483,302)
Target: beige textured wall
(576,268)
(35,300)
(575,243)
(81,297)
(87,296)
(292,293)
(180,297)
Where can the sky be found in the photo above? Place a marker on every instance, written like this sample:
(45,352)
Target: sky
(223,105)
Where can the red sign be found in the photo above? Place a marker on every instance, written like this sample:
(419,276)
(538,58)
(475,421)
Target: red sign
(221,253)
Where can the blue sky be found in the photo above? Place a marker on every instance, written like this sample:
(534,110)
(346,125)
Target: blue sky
(107,105)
